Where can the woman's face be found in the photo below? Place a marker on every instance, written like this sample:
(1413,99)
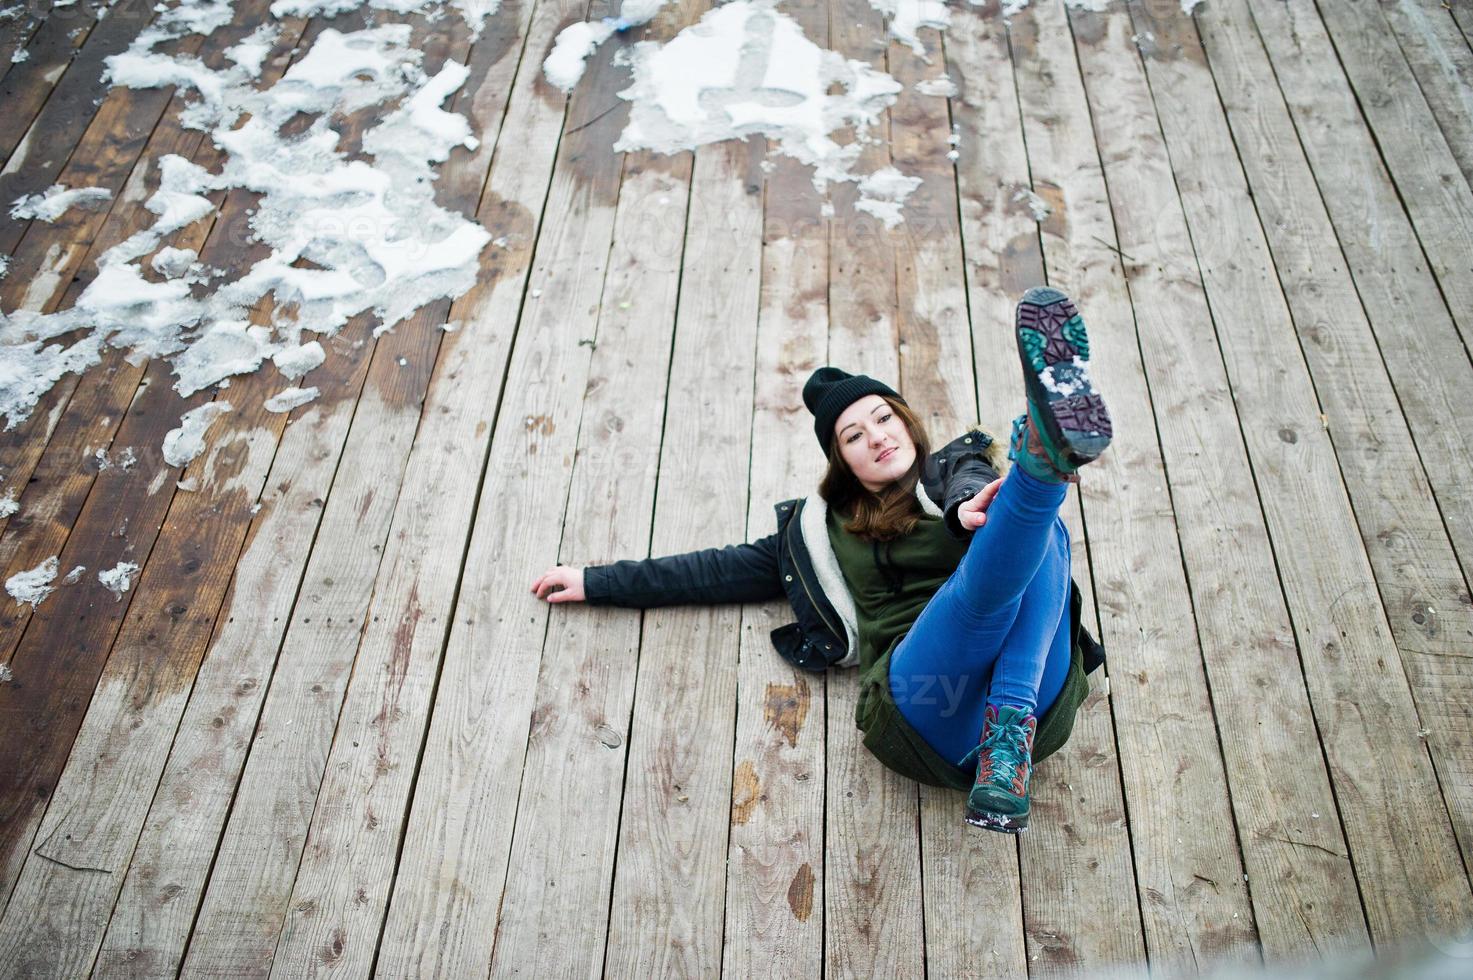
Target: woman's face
(874,442)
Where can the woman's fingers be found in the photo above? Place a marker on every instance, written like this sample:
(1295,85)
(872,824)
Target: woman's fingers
(546,582)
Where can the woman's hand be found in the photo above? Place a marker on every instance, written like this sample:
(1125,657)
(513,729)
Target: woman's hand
(561,584)
(972,513)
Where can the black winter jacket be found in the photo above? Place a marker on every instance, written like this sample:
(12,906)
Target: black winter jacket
(798,562)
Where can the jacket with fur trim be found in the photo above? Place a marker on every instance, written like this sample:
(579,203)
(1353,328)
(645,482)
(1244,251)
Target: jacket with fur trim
(796,562)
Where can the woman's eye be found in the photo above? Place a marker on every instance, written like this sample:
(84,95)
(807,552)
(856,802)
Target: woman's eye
(885,418)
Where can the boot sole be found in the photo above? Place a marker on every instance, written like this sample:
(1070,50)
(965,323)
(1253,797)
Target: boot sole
(1054,348)
(1003,823)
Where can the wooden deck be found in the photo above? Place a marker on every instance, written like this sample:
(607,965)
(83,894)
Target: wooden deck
(334,734)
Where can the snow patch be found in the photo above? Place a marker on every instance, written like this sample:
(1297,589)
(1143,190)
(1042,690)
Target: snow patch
(570,53)
(56,200)
(74,575)
(186,442)
(118,579)
(34,585)
(882,193)
(8,503)
(225,348)
(909,16)
(1036,205)
(297,361)
(173,263)
(576,42)
(342,237)
(746,70)
(943,87)
(289,398)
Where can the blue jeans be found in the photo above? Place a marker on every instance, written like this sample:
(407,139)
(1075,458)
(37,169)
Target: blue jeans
(998,629)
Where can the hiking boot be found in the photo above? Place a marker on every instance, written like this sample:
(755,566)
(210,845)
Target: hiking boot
(1066,414)
(999,797)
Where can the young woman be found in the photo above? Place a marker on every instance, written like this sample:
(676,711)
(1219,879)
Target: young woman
(948,586)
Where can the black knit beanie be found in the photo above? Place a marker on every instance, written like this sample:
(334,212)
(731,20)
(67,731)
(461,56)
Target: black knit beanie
(829,391)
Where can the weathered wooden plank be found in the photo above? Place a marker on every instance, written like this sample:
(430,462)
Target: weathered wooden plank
(1393,816)
(115,518)
(872,874)
(1463,15)
(112,773)
(775,869)
(1442,61)
(1416,570)
(561,865)
(775,860)
(566,818)
(1078,881)
(345,879)
(50,44)
(69,635)
(61,904)
(167,875)
(1433,190)
(1305,895)
(1181,826)
(54,134)
(67,639)
(967,872)
(52,266)
(670,879)
(246,899)
(1423,350)
(18,24)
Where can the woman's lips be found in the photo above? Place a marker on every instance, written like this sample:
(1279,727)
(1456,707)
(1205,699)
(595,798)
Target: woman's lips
(886,455)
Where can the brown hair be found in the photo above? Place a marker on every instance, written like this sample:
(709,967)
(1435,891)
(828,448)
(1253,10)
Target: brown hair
(886,514)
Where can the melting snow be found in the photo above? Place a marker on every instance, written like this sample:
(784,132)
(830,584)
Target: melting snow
(186,442)
(882,193)
(943,87)
(343,236)
(74,575)
(1036,205)
(297,361)
(118,579)
(289,398)
(173,263)
(908,16)
(746,69)
(575,43)
(53,202)
(34,585)
(8,504)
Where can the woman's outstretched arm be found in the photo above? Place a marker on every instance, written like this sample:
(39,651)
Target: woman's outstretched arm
(735,573)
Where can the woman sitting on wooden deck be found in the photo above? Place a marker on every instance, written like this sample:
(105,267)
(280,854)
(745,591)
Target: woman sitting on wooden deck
(948,586)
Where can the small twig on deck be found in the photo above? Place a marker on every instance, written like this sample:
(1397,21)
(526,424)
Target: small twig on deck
(1304,843)
(48,857)
(593,120)
(1113,248)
